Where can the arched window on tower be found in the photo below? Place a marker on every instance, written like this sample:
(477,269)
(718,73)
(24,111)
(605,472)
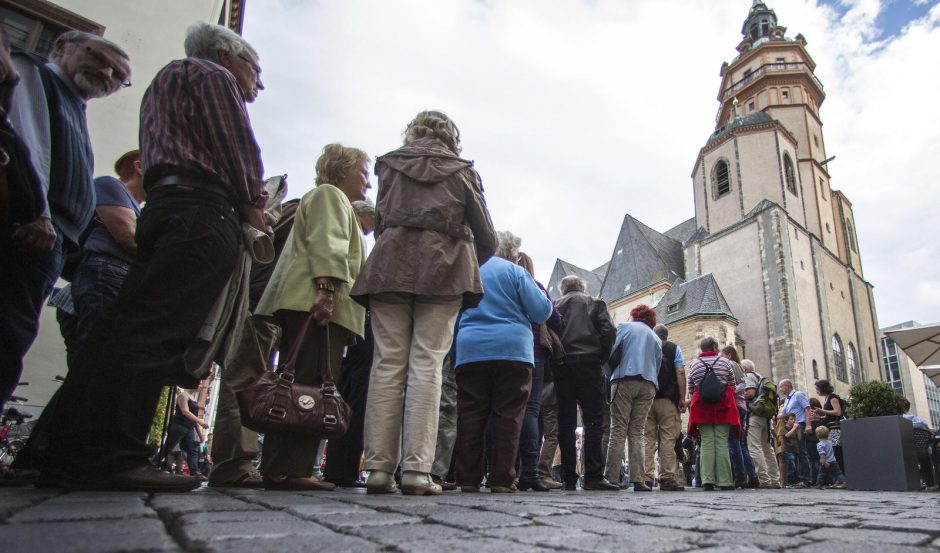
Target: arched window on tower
(851,237)
(852,361)
(789,175)
(721,179)
(838,358)
(754,31)
(764,27)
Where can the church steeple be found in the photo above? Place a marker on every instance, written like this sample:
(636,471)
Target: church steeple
(760,25)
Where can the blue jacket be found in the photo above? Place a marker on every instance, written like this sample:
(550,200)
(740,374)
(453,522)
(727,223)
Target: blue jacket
(640,352)
(499,329)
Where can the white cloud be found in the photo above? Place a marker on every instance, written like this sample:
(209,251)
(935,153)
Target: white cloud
(579,112)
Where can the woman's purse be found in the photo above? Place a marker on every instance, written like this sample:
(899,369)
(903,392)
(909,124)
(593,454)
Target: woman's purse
(276,404)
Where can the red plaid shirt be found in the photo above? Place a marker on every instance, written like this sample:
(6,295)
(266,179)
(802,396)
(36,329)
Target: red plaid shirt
(193,122)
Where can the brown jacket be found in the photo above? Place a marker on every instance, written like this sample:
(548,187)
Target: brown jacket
(433,230)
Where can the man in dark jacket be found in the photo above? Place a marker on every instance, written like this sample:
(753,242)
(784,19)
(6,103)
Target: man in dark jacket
(664,425)
(587,338)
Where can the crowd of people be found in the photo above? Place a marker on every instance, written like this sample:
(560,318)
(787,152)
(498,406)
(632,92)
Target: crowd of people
(459,370)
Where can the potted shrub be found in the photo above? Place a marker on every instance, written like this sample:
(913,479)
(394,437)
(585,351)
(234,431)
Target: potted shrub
(877,442)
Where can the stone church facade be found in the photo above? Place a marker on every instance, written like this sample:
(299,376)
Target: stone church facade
(770,261)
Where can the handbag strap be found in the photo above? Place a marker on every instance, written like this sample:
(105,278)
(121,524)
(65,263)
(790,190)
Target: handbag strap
(287,369)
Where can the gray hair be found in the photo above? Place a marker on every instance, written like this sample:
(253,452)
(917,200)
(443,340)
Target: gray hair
(364,207)
(661,331)
(508,247)
(208,41)
(434,124)
(572,282)
(747,365)
(709,344)
(78,38)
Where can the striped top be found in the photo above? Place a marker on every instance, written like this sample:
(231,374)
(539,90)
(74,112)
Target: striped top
(722,368)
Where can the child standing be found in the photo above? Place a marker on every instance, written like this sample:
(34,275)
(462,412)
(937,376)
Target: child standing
(791,446)
(828,468)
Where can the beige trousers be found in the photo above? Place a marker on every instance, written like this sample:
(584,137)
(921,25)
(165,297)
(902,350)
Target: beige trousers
(413,334)
(762,454)
(628,414)
(662,428)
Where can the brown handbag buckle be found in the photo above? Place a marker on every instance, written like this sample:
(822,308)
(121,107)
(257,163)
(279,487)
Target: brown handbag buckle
(278,413)
(329,420)
(289,377)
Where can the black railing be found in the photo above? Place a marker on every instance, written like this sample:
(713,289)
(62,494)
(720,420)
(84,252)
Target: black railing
(769,68)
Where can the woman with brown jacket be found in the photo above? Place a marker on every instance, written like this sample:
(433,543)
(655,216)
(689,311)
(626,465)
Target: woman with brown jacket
(433,232)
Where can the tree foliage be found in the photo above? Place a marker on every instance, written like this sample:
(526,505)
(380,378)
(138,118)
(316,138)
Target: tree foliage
(874,399)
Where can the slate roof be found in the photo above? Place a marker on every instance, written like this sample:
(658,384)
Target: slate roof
(751,119)
(642,257)
(562,269)
(683,231)
(699,296)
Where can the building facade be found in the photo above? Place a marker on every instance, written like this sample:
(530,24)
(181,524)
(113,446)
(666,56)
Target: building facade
(770,261)
(908,380)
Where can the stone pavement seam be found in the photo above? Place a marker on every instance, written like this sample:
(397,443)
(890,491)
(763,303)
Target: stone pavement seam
(167,521)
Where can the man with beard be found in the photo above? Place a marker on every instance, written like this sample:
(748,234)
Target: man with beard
(48,114)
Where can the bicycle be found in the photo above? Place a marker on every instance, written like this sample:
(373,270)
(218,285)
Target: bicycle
(14,431)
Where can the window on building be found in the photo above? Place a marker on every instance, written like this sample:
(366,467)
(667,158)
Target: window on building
(851,360)
(781,60)
(789,174)
(816,140)
(889,351)
(754,31)
(802,267)
(672,308)
(828,228)
(933,401)
(815,370)
(851,236)
(822,190)
(35,30)
(750,106)
(838,358)
(764,27)
(721,179)
(785,94)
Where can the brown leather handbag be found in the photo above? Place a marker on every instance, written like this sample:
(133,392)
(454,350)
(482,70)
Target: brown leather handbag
(277,404)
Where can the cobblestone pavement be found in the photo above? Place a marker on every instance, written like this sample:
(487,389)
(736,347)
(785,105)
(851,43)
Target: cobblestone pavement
(827,521)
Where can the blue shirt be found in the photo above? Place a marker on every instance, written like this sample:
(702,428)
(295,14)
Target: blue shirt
(824,447)
(796,403)
(641,352)
(679,360)
(110,191)
(500,328)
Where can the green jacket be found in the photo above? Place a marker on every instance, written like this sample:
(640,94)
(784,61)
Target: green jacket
(326,241)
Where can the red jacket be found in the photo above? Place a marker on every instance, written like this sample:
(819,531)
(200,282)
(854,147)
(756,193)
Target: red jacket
(725,412)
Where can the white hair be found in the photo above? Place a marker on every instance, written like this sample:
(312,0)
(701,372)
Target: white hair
(509,244)
(364,207)
(747,365)
(208,41)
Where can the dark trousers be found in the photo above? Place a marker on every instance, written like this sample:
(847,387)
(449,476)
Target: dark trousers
(184,436)
(741,464)
(284,454)
(188,244)
(26,280)
(342,463)
(829,476)
(803,467)
(548,419)
(494,392)
(95,288)
(530,439)
(581,384)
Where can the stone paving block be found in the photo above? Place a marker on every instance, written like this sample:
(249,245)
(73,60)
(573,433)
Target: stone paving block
(646,539)
(172,505)
(201,529)
(140,534)
(88,497)
(393,535)
(280,500)
(863,535)
(293,544)
(333,507)
(527,509)
(593,525)
(730,549)
(14,500)
(476,545)
(835,545)
(763,541)
(472,520)
(539,534)
(904,523)
(350,520)
(63,509)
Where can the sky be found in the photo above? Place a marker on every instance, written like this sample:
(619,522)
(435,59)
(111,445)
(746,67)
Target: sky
(578,112)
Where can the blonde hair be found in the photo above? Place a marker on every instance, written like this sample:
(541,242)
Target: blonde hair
(525,261)
(336,161)
(822,432)
(434,124)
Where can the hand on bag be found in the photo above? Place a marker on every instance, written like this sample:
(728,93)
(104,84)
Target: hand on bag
(35,236)
(322,307)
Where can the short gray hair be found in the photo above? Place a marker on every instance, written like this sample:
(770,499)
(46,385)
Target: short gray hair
(508,247)
(572,282)
(661,331)
(208,41)
(434,124)
(78,38)
(709,344)
(364,207)
(747,365)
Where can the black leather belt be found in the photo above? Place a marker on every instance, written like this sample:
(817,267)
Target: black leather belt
(186,184)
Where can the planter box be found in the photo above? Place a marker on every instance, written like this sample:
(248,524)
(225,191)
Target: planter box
(879,454)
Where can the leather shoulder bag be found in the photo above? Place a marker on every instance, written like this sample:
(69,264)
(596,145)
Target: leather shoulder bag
(277,404)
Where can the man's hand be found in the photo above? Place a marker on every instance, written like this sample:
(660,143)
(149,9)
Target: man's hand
(683,405)
(254,216)
(35,236)
(322,307)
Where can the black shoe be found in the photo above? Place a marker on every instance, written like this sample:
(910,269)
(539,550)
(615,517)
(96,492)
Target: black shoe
(740,482)
(571,486)
(144,478)
(641,487)
(601,485)
(753,482)
(671,486)
(534,484)
(727,488)
(708,487)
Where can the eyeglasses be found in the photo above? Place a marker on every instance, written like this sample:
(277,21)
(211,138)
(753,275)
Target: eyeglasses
(117,74)
(254,66)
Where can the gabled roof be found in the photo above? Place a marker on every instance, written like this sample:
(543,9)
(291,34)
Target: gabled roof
(699,296)
(642,257)
(683,231)
(562,268)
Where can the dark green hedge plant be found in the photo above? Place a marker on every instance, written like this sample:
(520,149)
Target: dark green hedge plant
(874,399)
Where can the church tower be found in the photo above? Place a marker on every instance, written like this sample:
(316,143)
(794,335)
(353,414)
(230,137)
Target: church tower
(778,240)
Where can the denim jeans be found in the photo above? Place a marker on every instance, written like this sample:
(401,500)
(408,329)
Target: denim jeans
(26,280)
(741,463)
(529,443)
(790,458)
(188,244)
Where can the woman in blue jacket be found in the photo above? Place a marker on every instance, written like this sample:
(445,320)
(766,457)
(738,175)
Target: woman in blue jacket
(494,368)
